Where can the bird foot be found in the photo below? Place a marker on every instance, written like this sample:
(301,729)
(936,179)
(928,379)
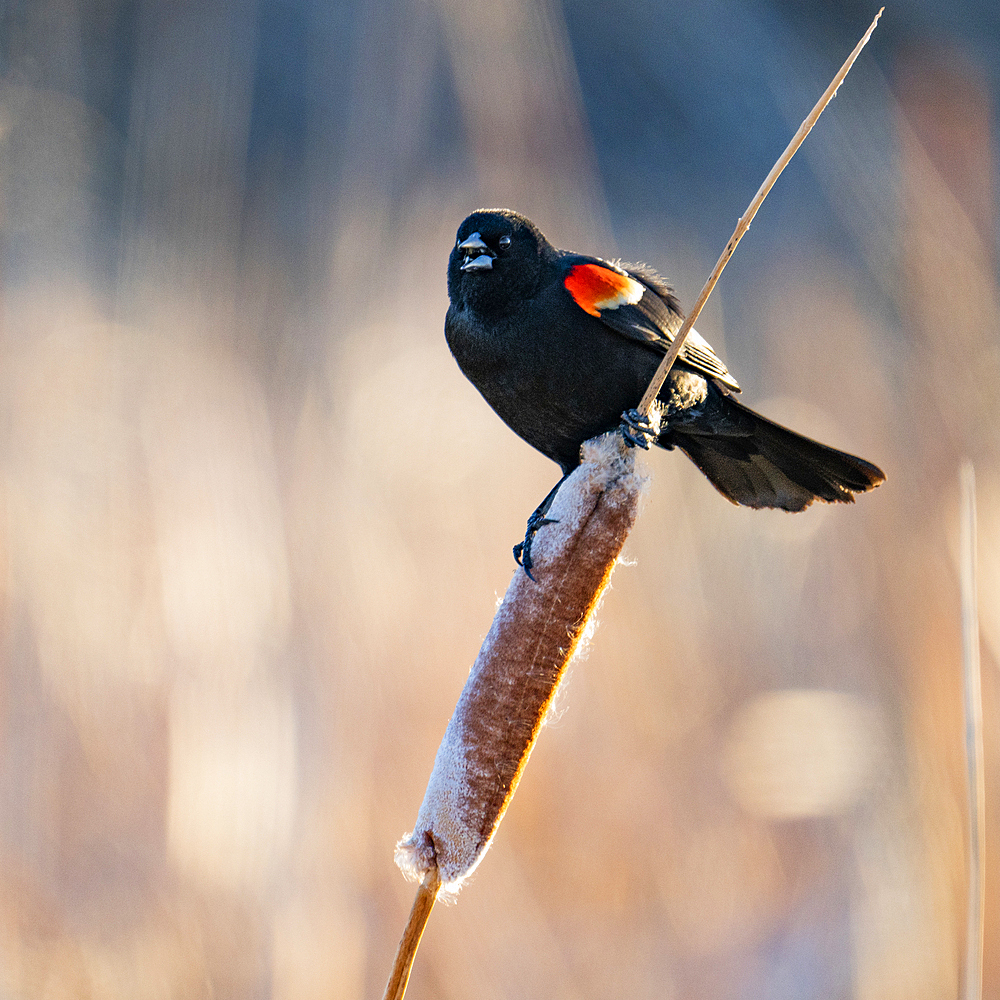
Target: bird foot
(522,551)
(638,430)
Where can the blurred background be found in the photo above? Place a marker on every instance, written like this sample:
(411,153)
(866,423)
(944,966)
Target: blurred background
(255,522)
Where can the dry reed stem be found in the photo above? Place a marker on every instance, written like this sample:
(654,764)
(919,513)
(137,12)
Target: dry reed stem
(972,687)
(427,893)
(743,225)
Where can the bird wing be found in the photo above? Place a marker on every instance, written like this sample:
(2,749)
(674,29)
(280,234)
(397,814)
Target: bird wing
(637,304)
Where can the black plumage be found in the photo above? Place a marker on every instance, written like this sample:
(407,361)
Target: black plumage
(561,345)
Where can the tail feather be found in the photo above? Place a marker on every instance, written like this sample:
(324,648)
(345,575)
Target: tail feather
(755,462)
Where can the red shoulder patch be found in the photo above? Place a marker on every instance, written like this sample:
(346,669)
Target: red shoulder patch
(594,288)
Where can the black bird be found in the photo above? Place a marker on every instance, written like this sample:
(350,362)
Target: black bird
(563,346)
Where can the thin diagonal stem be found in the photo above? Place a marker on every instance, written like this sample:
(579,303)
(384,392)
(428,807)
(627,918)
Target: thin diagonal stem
(744,224)
(972,686)
(427,893)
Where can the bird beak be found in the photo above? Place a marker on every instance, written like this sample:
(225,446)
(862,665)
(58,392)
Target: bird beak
(477,254)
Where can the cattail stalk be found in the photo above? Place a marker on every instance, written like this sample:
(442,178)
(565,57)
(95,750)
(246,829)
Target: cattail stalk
(427,893)
(537,630)
(743,225)
(972,687)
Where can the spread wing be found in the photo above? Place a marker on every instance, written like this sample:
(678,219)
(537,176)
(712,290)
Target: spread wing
(637,304)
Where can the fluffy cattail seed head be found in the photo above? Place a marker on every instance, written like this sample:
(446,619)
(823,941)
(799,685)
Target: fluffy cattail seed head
(536,632)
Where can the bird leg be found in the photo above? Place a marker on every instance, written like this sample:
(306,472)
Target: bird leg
(522,551)
(638,430)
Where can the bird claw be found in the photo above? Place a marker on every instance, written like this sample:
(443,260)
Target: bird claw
(522,551)
(639,430)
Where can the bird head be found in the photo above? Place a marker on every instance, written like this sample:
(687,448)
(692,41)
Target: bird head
(496,261)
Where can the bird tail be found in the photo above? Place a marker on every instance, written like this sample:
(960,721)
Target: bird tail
(755,462)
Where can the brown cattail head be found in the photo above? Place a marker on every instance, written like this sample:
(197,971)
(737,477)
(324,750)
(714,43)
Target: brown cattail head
(537,630)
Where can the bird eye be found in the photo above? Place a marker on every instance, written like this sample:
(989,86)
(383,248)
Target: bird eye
(504,242)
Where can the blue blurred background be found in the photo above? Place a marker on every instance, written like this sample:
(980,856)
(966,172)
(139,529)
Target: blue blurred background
(255,522)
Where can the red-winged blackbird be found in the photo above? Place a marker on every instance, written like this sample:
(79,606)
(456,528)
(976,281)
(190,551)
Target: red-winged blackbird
(563,346)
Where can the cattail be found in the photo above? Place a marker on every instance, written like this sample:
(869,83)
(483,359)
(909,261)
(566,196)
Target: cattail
(536,631)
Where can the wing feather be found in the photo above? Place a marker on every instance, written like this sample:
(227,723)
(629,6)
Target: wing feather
(636,303)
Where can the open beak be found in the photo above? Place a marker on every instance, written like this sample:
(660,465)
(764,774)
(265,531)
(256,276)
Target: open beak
(478,256)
